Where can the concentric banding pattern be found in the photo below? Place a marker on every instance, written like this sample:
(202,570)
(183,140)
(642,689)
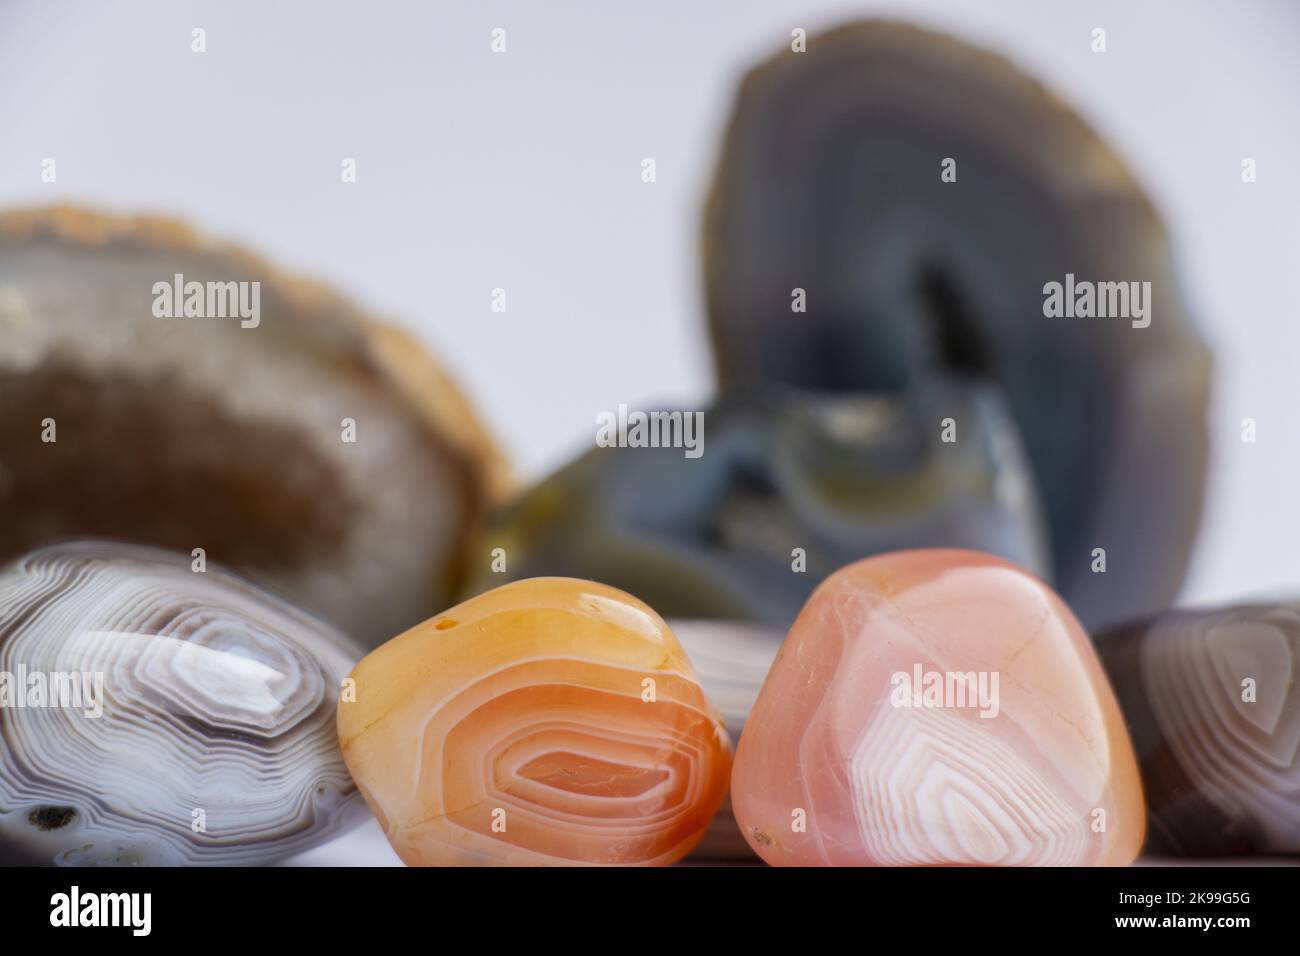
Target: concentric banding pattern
(568,755)
(1221,688)
(547,722)
(930,788)
(216,741)
(937,707)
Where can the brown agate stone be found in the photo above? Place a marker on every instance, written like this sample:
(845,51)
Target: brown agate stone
(1213,707)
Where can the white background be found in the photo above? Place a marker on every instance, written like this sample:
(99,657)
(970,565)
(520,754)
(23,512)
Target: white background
(522,171)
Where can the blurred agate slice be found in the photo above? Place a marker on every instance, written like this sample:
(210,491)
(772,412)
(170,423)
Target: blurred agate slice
(154,716)
(731,662)
(199,432)
(789,488)
(829,181)
(1213,706)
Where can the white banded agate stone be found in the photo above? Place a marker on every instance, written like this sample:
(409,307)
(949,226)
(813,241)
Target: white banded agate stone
(547,722)
(151,714)
(937,707)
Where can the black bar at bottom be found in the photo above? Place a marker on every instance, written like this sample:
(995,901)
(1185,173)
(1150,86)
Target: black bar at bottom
(433,908)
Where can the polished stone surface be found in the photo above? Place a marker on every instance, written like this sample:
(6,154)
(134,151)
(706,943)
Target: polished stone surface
(194,722)
(549,721)
(1213,704)
(731,660)
(789,488)
(937,707)
(830,181)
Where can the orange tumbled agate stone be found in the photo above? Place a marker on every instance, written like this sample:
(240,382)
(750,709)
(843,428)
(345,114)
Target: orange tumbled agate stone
(548,721)
(937,707)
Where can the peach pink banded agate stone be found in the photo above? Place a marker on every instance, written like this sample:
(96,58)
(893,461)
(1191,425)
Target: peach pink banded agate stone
(937,707)
(549,721)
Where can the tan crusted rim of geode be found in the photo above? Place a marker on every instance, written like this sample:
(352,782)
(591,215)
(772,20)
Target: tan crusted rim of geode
(416,377)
